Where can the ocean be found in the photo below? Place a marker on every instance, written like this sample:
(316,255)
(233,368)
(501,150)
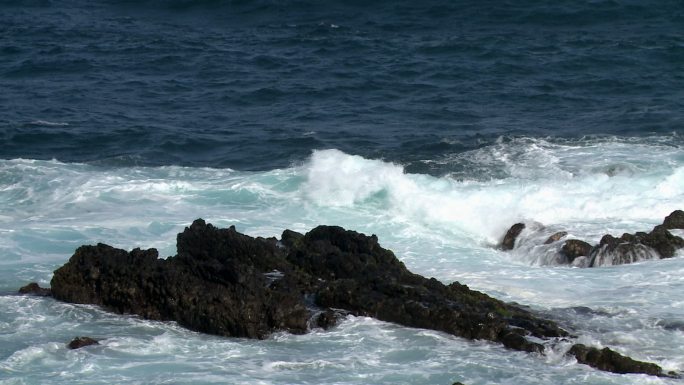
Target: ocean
(435,125)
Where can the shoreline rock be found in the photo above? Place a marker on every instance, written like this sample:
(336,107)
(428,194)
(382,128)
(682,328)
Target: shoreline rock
(227,283)
(659,243)
(34,289)
(80,342)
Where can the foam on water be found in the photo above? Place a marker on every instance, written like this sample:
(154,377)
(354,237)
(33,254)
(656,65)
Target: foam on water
(442,227)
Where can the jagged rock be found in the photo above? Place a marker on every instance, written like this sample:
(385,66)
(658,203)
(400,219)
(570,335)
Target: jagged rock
(80,342)
(34,289)
(511,235)
(226,283)
(611,361)
(629,248)
(659,243)
(675,220)
(573,248)
(555,237)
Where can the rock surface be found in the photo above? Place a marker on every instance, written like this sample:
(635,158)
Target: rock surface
(80,342)
(33,289)
(675,220)
(628,248)
(511,235)
(574,248)
(555,237)
(608,360)
(226,283)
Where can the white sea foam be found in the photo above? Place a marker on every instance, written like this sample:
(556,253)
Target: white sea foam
(442,227)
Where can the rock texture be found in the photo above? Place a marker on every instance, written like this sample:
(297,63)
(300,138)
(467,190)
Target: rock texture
(226,283)
(511,235)
(574,248)
(33,289)
(608,360)
(628,248)
(80,342)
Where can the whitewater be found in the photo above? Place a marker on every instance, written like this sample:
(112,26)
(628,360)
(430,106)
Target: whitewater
(445,226)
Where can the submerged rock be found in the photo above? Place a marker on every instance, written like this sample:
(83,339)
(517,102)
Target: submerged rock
(629,248)
(80,342)
(555,237)
(574,248)
(511,235)
(34,289)
(226,283)
(611,361)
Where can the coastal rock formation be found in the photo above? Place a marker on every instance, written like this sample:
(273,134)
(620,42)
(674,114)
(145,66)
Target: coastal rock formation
(555,237)
(628,248)
(610,361)
(511,235)
(675,220)
(33,289)
(574,248)
(80,342)
(226,283)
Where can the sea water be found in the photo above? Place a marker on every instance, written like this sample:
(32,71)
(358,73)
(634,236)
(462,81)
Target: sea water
(444,227)
(435,125)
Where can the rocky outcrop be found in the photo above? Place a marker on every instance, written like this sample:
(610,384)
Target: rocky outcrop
(675,220)
(33,289)
(628,248)
(611,361)
(226,283)
(80,342)
(508,241)
(574,248)
(555,237)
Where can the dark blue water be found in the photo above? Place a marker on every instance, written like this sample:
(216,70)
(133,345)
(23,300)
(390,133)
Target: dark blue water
(254,85)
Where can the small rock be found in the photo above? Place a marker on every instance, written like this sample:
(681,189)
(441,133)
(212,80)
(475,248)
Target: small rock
(326,319)
(33,289)
(675,220)
(512,233)
(80,342)
(611,361)
(574,248)
(556,237)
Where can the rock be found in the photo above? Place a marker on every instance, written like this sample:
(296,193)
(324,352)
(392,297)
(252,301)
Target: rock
(511,235)
(80,342)
(659,243)
(33,289)
(555,237)
(608,360)
(675,220)
(574,248)
(226,283)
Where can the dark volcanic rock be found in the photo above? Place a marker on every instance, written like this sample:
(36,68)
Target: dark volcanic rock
(555,237)
(659,243)
(511,235)
(574,248)
(226,283)
(33,289)
(675,220)
(80,342)
(608,360)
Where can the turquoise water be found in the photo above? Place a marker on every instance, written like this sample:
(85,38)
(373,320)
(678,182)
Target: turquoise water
(439,226)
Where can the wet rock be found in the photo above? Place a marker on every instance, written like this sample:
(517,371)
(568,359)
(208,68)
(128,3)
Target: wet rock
(675,220)
(34,289)
(555,237)
(221,282)
(629,248)
(611,361)
(574,248)
(80,342)
(511,235)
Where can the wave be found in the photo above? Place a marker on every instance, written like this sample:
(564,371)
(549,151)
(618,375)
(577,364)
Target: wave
(588,189)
